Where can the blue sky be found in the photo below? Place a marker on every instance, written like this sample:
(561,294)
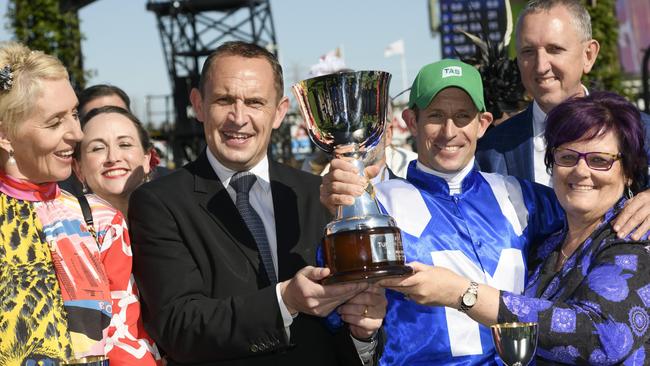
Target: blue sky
(123,47)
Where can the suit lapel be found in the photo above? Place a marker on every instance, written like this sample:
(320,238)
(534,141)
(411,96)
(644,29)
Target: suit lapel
(214,199)
(287,219)
(520,159)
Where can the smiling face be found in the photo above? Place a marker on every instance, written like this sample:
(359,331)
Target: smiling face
(43,144)
(112,160)
(552,57)
(239,107)
(584,193)
(447,130)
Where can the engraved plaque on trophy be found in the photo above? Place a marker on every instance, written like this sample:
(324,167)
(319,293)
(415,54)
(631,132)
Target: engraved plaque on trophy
(346,115)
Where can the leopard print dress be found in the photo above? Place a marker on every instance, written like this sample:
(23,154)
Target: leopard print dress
(33,326)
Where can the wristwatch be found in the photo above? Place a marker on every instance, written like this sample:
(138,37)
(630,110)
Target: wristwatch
(468,299)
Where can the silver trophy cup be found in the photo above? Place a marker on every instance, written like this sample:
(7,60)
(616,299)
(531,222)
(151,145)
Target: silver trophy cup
(515,342)
(346,115)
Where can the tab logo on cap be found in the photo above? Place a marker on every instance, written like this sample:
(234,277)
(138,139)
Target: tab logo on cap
(452,71)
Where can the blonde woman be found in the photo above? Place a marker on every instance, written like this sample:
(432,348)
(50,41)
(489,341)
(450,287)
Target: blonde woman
(66,290)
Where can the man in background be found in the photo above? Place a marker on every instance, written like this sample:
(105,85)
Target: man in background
(555,49)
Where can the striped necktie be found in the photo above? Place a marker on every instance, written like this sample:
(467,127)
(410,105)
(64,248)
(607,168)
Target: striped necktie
(242,182)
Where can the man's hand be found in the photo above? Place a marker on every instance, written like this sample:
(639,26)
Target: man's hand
(635,216)
(365,312)
(304,294)
(343,183)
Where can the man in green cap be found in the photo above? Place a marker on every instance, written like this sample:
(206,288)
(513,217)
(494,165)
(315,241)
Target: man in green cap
(477,224)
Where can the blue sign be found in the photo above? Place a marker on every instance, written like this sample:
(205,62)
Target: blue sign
(471,16)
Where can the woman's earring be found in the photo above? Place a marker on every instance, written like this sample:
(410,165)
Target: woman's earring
(11,159)
(84,188)
(628,192)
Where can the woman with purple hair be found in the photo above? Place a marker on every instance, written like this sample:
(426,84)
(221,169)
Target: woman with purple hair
(588,289)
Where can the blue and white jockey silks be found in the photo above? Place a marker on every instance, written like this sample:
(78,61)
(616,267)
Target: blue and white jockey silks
(482,233)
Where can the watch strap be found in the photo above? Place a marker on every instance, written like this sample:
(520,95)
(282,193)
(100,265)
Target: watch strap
(472,289)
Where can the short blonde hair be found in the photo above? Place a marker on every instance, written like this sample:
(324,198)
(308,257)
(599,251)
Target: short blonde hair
(28,69)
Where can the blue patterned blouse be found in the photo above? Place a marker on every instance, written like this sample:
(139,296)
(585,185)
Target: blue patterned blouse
(595,309)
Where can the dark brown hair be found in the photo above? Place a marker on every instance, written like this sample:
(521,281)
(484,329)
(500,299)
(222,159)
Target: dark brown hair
(246,50)
(102,90)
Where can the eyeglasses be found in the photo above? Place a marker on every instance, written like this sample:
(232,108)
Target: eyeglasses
(595,160)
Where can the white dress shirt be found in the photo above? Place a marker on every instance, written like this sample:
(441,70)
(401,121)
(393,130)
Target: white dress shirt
(539,145)
(261,199)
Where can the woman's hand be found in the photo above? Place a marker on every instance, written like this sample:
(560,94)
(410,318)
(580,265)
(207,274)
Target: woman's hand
(438,286)
(433,286)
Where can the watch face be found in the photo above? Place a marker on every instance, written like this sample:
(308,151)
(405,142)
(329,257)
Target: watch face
(469,299)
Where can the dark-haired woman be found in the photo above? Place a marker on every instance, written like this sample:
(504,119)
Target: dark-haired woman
(115,156)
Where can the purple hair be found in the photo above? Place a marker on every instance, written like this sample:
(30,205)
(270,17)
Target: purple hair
(583,118)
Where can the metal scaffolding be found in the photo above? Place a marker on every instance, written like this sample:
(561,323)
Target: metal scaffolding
(190,30)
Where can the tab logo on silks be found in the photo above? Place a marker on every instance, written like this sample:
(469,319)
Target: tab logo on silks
(452,71)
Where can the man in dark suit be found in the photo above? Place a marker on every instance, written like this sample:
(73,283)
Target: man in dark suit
(555,49)
(223,246)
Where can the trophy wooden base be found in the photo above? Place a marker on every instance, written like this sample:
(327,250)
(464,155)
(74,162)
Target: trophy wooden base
(370,275)
(364,255)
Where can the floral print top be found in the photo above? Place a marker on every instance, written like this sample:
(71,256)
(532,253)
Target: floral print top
(595,309)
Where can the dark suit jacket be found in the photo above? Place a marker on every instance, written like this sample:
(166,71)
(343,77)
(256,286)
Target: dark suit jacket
(508,148)
(205,301)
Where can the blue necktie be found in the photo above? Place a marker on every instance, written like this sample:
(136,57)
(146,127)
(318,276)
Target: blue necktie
(242,182)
